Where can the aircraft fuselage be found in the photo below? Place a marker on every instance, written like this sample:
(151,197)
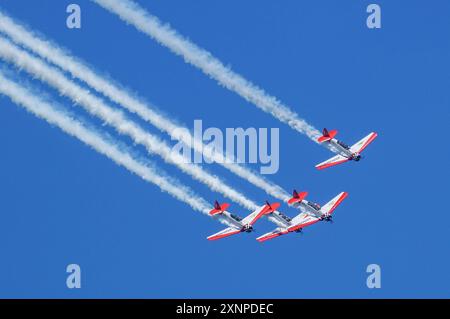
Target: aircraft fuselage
(233,219)
(236,221)
(344,150)
(314,209)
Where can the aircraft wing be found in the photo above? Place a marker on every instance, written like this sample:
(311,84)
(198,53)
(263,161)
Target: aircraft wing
(362,144)
(335,160)
(329,207)
(302,220)
(275,233)
(257,214)
(225,233)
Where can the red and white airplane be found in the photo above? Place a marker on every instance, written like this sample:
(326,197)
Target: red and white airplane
(238,224)
(312,213)
(344,152)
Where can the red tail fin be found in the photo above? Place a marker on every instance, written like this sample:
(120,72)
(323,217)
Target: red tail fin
(219,208)
(296,197)
(270,208)
(327,135)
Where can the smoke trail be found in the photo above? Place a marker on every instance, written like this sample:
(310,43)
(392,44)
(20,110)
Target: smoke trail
(78,69)
(133,14)
(22,96)
(116,119)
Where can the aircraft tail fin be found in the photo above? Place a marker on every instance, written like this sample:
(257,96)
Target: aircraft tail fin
(327,135)
(270,208)
(218,208)
(297,197)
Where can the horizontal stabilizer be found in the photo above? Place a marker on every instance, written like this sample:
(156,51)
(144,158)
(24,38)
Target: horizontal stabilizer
(269,208)
(297,197)
(224,233)
(218,209)
(327,135)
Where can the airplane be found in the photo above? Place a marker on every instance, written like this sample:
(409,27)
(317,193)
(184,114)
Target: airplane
(238,224)
(345,153)
(312,213)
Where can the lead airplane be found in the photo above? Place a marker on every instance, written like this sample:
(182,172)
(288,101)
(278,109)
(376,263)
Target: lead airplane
(344,152)
(312,213)
(238,224)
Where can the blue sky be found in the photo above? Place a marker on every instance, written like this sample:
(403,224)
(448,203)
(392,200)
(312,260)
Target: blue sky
(62,203)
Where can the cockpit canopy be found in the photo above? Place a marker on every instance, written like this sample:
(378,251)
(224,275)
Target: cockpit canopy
(343,145)
(236,217)
(315,206)
(285,217)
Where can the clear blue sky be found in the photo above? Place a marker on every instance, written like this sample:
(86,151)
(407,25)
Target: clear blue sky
(62,203)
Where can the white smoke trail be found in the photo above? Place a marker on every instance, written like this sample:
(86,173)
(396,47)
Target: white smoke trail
(52,53)
(115,118)
(133,14)
(42,109)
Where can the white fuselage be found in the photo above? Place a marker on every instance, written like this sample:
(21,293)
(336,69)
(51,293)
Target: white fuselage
(233,219)
(341,148)
(245,224)
(310,207)
(281,219)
